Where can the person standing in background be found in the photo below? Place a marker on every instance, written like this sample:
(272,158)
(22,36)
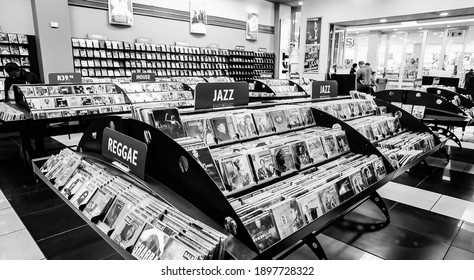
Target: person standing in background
(363,77)
(468,79)
(353,69)
(18,76)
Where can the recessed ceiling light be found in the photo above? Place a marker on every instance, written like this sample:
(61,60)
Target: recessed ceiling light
(394,36)
(300,3)
(395,29)
(448,26)
(443,14)
(357,32)
(420,28)
(435,33)
(383,20)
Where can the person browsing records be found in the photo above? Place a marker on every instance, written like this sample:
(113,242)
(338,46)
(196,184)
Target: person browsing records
(353,69)
(363,77)
(18,76)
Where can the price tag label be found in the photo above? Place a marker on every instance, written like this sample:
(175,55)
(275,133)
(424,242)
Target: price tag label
(64,78)
(217,95)
(324,89)
(143,77)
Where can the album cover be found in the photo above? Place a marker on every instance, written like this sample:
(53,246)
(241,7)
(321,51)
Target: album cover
(119,208)
(342,142)
(315,149)
(97,204)
(65,90)
(238,172)
(330,146)
(204,158)
(283,159)
(287,217)
(279,120)
(357,182)
(168,121)
(83,194)
(379,169)
(14,50)
(368,174)
(47,103)
(74,101)
(418,111)
(344,189)
(263,165)
(310,206)
(195,129)
(85,101)
(244,125)
(3,38)
(60,102)
(24,61)
(329,197)
(301,154)
(150,244)
(5,50)
(346,110)
(224,130)
(97,100)
(12,38)
(126,233)
(22,39)
(264,122)
(354,108)
(263,231)
(294,117)
(41,91)
(307,116)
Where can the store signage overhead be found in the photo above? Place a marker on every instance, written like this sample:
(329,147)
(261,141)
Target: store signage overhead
(240,48)
(324,89)
(64,78)
(218,95)
(143,77)
(262,49)
(127,151)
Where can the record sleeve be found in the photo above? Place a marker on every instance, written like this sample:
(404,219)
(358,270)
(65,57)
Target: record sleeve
(307,116)
(315,149)
(358,184)
(283,159)
(344,189)
(195,128)
(329,144)
(418,111)
(301,154)
(264,122)
(169,122)
(329,197)
(204,158)
(238,172)
(263,165)
(263,231)
(310,206)
(294,117)
(224,130)
(342,142)
(127,232)
(98,203)
(379,169)
(368,174)
(245,125)
(279,120)
(287,217)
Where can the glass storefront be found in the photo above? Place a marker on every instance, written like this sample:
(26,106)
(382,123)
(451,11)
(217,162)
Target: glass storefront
(403,56)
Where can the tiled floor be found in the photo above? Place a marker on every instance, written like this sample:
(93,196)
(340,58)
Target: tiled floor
(431,209)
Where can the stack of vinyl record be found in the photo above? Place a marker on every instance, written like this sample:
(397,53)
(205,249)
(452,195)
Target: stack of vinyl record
(277,211)
(346,109)
(406,147)
(376,128)
(144,224)
(8,112)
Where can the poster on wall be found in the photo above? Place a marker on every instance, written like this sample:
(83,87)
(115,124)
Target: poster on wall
(197,17)
(121,12)
(251,32)
(311,59)
(313,30)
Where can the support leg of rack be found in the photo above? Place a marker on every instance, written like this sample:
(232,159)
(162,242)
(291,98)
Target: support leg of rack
(378,201)
(315,246)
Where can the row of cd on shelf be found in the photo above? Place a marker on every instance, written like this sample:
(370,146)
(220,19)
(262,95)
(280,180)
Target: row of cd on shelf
(140,222)
(119,45)
(23,61)
(90,53)
(12,38)
(146,64)
(13,50)
(121,72)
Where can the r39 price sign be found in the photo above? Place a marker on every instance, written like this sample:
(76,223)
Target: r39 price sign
(64,78)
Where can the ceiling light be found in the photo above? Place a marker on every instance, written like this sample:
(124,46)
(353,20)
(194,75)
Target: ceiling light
(394,36)
(408,23)
(392,26)
(448,26)
(443,14)
(300,3)
(435,33)
(383,20)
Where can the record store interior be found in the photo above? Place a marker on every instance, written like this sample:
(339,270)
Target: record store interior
(236,130)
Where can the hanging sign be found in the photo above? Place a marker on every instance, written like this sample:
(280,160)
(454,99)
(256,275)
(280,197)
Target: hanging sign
(218,95)
(143,77)
(129,152)
(324,89)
